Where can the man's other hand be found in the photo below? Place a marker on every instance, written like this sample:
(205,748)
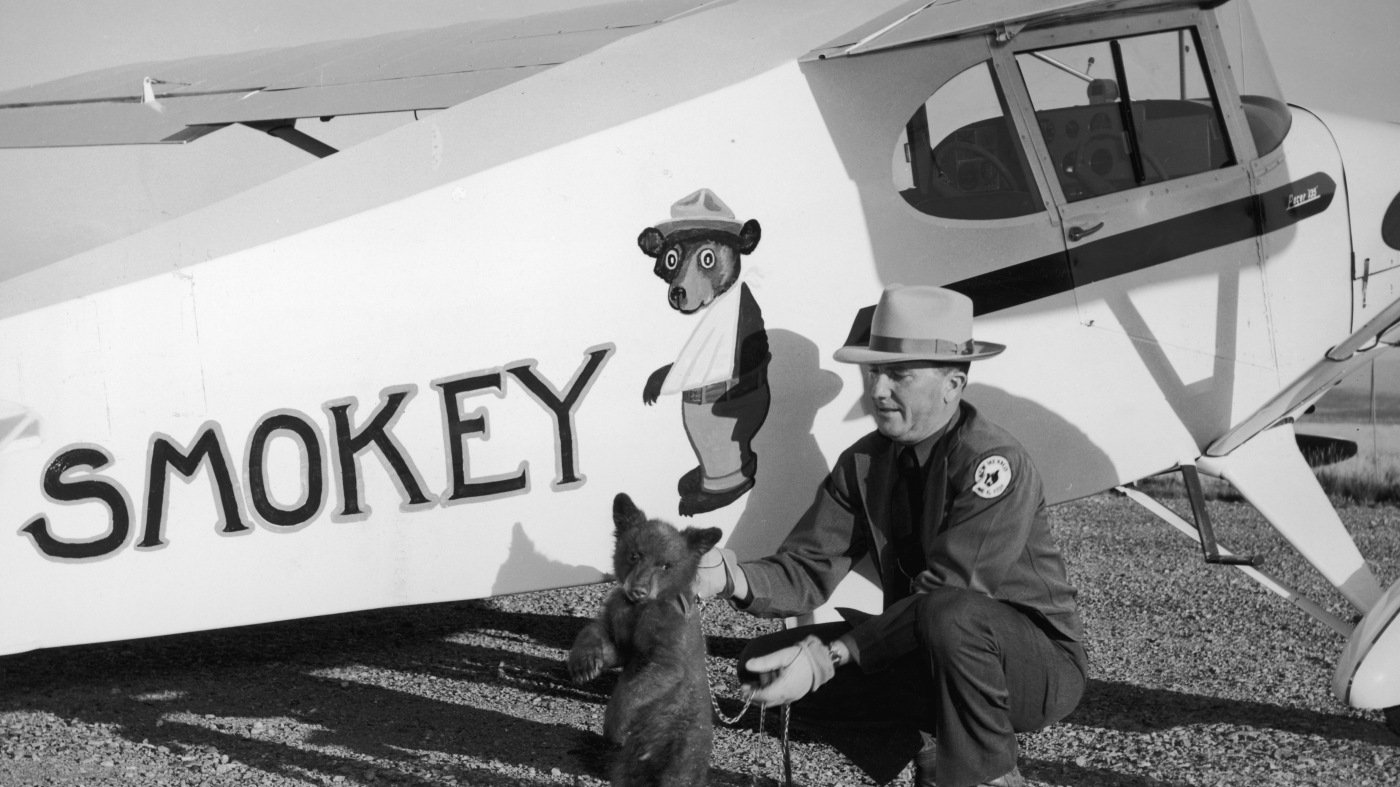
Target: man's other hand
(787,675)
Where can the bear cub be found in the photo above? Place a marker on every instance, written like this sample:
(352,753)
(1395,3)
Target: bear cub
(650,626)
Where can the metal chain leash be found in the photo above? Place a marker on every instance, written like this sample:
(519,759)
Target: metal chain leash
(714,703)
(754,742)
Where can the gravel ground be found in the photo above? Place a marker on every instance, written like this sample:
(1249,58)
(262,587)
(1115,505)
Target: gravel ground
(1198,677)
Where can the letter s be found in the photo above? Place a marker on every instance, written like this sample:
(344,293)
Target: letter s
(58,489)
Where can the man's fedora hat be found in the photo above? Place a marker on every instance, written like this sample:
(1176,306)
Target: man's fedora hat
(917,323)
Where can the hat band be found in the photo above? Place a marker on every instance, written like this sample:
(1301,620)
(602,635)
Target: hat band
(895,344)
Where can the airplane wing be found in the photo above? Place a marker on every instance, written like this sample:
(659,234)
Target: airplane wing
(181,100)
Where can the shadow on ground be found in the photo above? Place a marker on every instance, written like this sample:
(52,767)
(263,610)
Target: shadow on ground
(189,693)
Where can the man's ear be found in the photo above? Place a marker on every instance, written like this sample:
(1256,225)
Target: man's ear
(954,384)
(650,241)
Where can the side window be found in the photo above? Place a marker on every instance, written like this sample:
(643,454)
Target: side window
(959,156)
(1126,112)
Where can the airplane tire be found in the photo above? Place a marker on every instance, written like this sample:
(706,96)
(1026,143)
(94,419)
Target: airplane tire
(1392,718)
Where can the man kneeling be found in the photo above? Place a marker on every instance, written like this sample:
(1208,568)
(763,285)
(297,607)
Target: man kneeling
(980,637)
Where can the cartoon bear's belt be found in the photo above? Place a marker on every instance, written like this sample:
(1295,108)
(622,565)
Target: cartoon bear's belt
(709,394)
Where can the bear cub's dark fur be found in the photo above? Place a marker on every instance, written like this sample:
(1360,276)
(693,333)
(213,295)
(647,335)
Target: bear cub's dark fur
(650,626)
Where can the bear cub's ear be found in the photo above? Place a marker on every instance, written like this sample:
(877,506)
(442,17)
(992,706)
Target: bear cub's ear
(626,515)
(700,541)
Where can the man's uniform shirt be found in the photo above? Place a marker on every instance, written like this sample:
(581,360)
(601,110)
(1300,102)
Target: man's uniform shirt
(983,528)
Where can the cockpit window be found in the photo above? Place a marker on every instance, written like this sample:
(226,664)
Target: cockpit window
(1125,112)
(959,156)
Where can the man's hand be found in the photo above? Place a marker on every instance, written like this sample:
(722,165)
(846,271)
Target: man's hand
(787,675)
(719,575)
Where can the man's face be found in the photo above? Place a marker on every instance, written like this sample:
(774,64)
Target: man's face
(913,399)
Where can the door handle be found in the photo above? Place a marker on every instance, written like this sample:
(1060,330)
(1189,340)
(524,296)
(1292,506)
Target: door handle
(1080,233)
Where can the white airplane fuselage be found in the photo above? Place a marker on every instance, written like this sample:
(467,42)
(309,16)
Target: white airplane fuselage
(413,371)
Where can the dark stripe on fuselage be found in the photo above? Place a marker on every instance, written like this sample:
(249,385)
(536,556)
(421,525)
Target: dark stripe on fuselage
(1145,247)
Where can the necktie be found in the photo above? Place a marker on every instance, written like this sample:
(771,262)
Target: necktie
(908,506)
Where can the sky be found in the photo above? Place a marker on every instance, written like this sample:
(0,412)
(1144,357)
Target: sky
(57,202)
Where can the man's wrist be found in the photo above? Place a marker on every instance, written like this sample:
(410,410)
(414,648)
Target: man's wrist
(739,581)
(840,654)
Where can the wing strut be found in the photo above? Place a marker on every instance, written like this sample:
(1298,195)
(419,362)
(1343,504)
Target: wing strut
(286,130)
(1268,581)
(1379,334)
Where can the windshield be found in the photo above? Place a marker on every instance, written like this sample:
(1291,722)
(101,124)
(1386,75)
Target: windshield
(1264,108)
(1124,112)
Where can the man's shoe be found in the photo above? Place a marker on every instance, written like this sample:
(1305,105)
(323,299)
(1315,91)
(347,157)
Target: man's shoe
(1011,779)
(923,764)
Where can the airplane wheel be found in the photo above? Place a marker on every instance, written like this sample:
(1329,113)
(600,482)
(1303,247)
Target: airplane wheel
(1392,718)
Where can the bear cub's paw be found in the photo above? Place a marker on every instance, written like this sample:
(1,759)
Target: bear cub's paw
(592,653)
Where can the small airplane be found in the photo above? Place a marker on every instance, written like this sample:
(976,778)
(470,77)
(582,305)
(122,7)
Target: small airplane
(618,259)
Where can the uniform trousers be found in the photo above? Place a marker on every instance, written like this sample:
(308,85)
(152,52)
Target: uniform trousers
(976,672)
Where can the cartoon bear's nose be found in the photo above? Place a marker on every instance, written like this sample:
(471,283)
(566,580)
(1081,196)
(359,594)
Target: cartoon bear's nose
(677,297)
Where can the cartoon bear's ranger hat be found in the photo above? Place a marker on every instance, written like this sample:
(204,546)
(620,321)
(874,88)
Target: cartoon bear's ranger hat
(701,210)
(917,323)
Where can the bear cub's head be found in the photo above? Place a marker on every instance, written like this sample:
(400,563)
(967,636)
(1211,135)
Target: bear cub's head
(699,265)
(651,559)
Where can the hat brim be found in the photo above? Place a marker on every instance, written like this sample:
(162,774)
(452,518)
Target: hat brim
(668,228)
(859,354)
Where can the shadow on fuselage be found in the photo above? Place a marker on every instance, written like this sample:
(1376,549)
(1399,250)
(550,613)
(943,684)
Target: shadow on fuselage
(790,463)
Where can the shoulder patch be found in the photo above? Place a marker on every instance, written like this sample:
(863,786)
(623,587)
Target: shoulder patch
(992,477)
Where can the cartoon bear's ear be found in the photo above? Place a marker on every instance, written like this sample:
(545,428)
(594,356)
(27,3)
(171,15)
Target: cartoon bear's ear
(700,541)
(650,241)
(626,515)
(748,236)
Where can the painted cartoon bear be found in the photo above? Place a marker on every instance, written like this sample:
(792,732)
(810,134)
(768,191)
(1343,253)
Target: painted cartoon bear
(721,373)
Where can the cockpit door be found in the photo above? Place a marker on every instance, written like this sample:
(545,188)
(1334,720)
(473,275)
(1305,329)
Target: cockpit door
(1134,127)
